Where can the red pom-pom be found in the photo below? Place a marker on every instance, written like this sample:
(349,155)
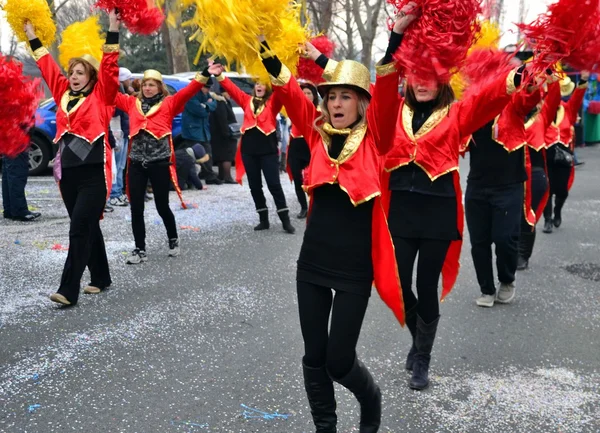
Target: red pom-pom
(567,32)
(138,15)
(436,44)
(484,65)
(307,69)
(20,97)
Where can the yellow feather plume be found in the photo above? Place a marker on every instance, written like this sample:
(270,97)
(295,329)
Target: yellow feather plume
(81,38)
(36,11)
(488,36)
(229,29)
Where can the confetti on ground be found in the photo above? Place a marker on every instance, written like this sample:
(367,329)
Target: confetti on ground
(251,413)
(33,407)
(59,247)
(191,206)
(192,228)
(189,423)
(17,242)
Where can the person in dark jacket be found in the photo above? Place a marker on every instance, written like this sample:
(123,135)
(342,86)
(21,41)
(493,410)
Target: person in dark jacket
(225,134)
(196,128)
(14,179)
(186,160)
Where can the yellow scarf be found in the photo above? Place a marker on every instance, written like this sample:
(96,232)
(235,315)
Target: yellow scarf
(330,130)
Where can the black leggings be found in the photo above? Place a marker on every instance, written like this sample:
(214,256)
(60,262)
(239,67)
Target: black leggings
(296,167)
(160,179)
(432,254)
(337,348)
(269,166)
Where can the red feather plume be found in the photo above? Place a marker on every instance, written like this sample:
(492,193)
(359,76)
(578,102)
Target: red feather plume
(483,65)
(20,96)
(436,44)
(308,69)
(567,32)
(139,16)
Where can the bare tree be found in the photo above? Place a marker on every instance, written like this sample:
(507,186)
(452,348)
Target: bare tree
(174,39)
(321,13)
(69,12)
(366,15)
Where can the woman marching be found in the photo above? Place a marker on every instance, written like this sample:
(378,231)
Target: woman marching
(347,244)
(424,197)
(560,138)
(298,153)
(83,166)
(258,152)
(151,155)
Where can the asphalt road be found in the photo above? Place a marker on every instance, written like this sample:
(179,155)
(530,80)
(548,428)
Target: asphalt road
(210,341)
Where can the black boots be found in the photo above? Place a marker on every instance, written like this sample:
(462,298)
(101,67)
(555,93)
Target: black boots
(423,343)
(411,324)
(360,382)
(547,226)
(526,242)
(558,205)
(303,213)
(321,397)
(263,214)
(284,216)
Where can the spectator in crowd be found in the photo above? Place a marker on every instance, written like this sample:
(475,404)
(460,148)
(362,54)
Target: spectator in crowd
(186,160)
(196,128)
(225,133)
(283,129)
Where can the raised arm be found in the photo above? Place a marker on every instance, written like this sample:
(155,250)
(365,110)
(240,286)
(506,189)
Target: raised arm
(179,99)
(108,75)
(551,104)
(51,72)
(574,104)
(124,102)
(239,96)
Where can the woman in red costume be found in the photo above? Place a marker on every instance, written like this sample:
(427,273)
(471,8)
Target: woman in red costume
(84,102)
(151,155)
(347,244)
(298,153)
(258,152)
(561,145)
(424,199)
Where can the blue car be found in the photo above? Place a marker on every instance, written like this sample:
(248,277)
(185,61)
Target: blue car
(43,149)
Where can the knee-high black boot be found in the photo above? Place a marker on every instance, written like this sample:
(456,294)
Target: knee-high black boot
(411,324)
(526,242)
(360,382)
(321,397)
(558,205)
(424,343)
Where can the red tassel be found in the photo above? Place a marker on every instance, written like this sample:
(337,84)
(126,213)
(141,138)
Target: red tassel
(484,65)
(307,69)
(436,45)
(20,97)
(139,16)
(567,32)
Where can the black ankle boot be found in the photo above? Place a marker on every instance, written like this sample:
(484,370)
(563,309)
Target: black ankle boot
(558,205)
(424,343)
(321,397)
(263,214)
(284,216)
(547,226)
(360,382)
(303,213)
(411,324)
(526,242)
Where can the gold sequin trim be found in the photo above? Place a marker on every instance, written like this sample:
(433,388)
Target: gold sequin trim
(383,70)
(434,120)
(110,48)
(350,146)
(283,78)
(220,77)
(39,53)
(510,83)
(201,78)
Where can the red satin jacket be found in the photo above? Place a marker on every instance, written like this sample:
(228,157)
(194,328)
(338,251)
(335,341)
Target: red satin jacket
(358,167)
(536,127)
(561,130)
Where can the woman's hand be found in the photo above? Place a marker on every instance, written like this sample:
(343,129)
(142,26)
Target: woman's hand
(405,17)
(29,30)
(216,69)
(114,19)
(310,51)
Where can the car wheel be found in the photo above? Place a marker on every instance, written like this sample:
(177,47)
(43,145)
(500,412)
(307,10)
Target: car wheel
(39,156)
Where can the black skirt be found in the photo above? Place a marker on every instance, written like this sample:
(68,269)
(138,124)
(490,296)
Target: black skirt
(420,216)
(224,149)
(336,251)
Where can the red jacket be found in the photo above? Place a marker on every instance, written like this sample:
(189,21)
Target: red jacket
(436,146)
(561,130)
(358,167)
(158,121)
(90,118)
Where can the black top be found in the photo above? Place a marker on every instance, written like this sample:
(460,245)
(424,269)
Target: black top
(254,142)
(491,164)
(537,159)
(298,149)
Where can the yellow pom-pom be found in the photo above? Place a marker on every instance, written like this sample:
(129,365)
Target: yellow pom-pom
(229,29)
(458,84)
(81,38)
(488,36)
(36,11)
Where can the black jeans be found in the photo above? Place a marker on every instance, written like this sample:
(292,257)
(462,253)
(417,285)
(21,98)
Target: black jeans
(14,179)
(494,216)
(432,254)
(160,179)
(83,190)
(205,167)
(269,166)
(335,348)
(558,179)
(296,167)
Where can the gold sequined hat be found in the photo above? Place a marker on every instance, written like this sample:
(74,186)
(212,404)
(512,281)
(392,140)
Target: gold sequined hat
(348,73)
(152,74)
(566,87)
(91,60)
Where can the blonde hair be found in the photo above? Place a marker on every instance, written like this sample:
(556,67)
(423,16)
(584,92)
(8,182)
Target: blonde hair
(161,88)
(362,105)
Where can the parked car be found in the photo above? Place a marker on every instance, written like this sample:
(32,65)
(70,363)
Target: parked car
(43,149)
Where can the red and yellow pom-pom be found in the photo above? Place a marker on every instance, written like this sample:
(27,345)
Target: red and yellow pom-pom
(139,16)
(484,65)
(81,38)
(568,31)
(20,97)
(36,11)
(436,44)
(307,68)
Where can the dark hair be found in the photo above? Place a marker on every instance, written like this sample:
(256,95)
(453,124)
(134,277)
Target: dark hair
(87,67)
(259,102)
(444,97)
(313,90)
